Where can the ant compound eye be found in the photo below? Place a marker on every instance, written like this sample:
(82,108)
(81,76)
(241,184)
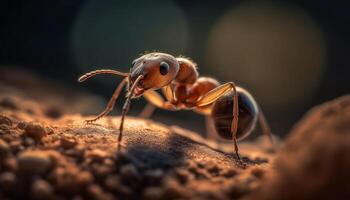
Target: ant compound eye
(163,68)
(133,63)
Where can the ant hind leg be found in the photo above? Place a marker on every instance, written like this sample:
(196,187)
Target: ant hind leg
(214,95)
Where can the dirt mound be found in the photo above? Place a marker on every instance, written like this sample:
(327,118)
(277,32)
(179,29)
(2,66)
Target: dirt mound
(62,158)
(54,155)
(315,162)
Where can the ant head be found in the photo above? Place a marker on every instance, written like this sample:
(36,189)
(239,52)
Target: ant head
(158,70)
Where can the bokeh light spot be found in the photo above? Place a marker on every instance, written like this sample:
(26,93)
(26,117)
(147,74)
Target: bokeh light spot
(275,50)
(113,33)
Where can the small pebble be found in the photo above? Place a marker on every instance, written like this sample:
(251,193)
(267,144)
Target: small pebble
(4,149)
(41,189)
(7,181)
(77,197)
(213,169)
(54,112)
(154,174)
(229,173)
(77,151)
(183,175)
(16,146)
(10,164)
(27,141)
(257,172)
(129,172)
(95,192)
(33,162)
(96,154)
(35,130)
(9,103)
(101,171)
(4,128)
(173,189)
(153,193)
(67,142)
(7,138)
(21,125)
(5,120)
(84,178)
(56,158)
(113,184)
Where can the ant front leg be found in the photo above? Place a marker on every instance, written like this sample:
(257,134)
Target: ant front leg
(111,102)
(214,95)
(155,99)
(126,108)
(147,111)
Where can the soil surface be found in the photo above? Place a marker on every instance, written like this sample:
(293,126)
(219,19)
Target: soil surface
(47,152)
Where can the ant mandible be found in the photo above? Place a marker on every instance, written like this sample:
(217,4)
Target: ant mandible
(232,109)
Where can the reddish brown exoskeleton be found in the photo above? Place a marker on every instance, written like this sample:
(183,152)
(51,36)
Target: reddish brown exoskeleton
(232,109)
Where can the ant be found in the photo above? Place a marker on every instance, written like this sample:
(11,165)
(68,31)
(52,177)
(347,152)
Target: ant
(232,109)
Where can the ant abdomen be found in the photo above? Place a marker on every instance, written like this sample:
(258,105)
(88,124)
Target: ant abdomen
(222,114)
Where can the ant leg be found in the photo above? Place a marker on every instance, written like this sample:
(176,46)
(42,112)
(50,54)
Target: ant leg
(126,108)
(168,92)
(265,127)
(155,99)
(209,123)
(111,102)
(147,111)
(149,108)
(214,95)
(211,132)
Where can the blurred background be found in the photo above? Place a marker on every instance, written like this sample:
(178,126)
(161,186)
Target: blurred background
(290,55)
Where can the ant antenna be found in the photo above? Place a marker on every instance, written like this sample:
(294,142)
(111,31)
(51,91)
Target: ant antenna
(101,71)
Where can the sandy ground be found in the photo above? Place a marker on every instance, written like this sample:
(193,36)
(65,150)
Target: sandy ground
(47,152)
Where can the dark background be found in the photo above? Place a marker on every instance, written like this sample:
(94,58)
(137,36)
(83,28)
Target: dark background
(291,55)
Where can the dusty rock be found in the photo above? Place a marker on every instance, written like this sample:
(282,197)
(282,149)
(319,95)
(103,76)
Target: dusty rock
(33,162)
(7,181)
(5,120)
(153,193)
(129,172)
(27,141)
(69,180)
(114,185)
(4,149)
(95,192)
(72,160)
(78,151)
(9,103)
(229,173)
(9,164)
(21,125)
(84,178)
(315,162)
(150,159)
(35,130)
(67,142)
(41,189)
(16,146)
(54,112)
(154,175)
(96,154)
(4,129)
